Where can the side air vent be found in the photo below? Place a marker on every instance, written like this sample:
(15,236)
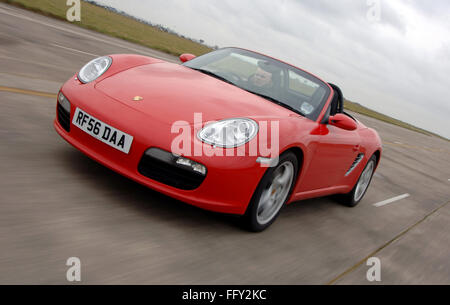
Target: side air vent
(355,164)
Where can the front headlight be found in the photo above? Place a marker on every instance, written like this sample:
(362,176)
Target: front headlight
(229,133)
(94,69)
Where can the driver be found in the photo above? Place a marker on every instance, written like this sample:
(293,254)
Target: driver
(264,79)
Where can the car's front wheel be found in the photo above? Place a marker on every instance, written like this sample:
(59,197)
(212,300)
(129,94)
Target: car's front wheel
(359,190)
(272,193)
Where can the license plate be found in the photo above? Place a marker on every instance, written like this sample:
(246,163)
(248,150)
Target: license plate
(102,131)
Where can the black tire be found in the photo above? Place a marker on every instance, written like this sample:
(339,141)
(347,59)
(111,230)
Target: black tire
(250,219)
(350,199)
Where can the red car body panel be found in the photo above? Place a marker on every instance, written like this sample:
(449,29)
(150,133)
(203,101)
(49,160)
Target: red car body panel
(173,93)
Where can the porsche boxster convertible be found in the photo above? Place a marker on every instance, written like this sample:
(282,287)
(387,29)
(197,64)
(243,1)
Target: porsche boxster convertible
(231,131)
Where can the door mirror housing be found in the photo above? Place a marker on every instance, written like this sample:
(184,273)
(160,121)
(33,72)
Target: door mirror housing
(186,57)
(342,121)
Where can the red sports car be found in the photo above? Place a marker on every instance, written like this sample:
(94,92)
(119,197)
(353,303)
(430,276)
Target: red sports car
(232,131)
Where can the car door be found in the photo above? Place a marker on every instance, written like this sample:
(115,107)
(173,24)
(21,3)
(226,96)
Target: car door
(333,152)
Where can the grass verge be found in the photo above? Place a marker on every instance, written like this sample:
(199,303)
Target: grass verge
(113,24)
(355,107)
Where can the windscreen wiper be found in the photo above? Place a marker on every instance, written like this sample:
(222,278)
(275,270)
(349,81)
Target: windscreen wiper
(210,73)
(277,102)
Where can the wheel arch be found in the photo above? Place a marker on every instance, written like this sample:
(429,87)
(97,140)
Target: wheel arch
(300,155)
(377,154)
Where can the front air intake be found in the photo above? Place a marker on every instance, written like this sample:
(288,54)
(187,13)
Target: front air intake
(164,167)
(63,117)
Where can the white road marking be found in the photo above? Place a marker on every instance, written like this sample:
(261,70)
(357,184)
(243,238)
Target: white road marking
(34,63)
(385,202)
(60,28)
(74,50)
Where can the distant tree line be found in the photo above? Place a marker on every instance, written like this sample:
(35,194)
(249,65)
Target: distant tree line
(158,26)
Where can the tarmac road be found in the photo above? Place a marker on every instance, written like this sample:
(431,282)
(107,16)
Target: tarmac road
(55,203)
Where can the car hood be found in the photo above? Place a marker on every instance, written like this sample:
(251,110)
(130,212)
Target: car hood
(172,92)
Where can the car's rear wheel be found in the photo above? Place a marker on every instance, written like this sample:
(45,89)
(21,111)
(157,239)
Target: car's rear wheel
(359,190)
(272,193)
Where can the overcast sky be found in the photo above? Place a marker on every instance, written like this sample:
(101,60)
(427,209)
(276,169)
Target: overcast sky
(397,62)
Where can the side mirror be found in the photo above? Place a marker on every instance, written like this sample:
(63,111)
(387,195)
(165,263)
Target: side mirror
(186,57)
(342,121)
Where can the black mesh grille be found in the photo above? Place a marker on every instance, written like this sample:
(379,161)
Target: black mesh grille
(166,171)
(63,118)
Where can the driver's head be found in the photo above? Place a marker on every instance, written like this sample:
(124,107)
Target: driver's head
(262,78)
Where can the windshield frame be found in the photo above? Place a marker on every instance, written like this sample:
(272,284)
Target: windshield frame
(315,115)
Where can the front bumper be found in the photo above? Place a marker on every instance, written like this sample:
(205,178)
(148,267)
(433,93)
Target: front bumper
(229,183)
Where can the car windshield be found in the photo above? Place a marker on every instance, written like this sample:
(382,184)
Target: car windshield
(278,82)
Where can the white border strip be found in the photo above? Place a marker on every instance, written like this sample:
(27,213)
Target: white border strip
(385,202)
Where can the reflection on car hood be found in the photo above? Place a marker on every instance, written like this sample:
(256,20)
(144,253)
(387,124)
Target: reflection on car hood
(172,92)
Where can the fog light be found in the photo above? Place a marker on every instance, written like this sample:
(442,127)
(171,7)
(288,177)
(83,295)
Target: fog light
(184,161)
(199,168)
(196,167)
(64,102)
